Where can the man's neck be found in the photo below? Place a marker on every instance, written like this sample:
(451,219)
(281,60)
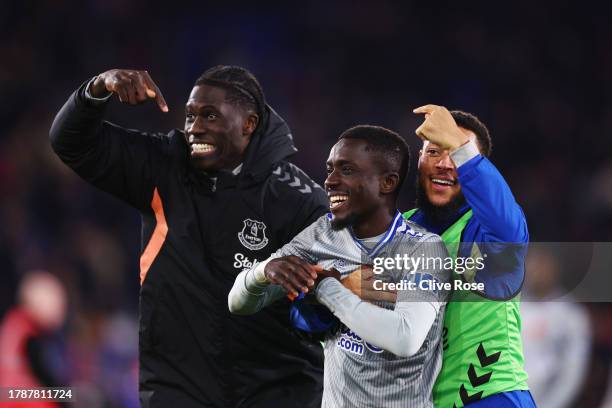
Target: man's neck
(375,224)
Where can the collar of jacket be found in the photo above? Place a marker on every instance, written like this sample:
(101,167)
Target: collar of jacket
(271,143)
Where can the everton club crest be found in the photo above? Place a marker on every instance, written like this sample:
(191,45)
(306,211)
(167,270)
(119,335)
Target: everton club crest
(253,234)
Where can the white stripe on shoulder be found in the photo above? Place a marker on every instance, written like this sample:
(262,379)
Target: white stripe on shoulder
(294,177)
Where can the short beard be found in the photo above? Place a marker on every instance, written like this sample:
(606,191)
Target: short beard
(338,225)
(438,215)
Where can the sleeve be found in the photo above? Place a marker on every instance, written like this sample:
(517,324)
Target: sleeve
(489,196)
(403,330)
(251,292)
(116,160)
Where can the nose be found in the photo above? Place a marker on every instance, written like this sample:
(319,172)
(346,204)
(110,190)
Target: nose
(195,127)
(445,162)
(332,180)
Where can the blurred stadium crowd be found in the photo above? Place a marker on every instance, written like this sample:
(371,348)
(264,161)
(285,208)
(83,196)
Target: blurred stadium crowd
(541,79)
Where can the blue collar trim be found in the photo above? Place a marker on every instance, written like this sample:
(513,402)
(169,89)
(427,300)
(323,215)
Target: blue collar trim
(395,224)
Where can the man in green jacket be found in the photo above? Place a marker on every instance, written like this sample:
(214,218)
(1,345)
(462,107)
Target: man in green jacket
(463,197)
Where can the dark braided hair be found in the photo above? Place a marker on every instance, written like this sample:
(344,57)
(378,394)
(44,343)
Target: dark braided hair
(241,86)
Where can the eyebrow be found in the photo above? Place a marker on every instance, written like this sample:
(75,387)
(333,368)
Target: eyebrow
(435,147)
(196,106)
(340,162)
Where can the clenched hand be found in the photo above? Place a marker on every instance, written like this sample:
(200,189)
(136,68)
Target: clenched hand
(296,275)
(292,273)
(131,86)
(439,127)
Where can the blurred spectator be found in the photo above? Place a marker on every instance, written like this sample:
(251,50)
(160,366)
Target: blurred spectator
(556,334)
(41,310)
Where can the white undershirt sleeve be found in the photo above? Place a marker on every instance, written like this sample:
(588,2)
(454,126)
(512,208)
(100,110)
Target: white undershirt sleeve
(252,292)
(401,331)
(464,153)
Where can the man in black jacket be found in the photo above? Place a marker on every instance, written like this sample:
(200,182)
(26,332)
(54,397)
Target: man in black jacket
(214,199)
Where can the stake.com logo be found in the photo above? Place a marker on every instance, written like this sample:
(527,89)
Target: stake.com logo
(351,342)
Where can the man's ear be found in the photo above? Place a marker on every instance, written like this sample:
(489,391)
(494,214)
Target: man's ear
(250,124)
(389,182)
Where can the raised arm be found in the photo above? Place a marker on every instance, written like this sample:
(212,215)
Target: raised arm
(484,188)
(489,196)
(117,160)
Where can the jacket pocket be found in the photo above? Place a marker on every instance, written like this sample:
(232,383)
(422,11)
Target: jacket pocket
(147,318)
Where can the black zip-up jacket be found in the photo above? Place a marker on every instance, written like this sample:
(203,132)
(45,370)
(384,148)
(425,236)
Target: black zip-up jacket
(198,233)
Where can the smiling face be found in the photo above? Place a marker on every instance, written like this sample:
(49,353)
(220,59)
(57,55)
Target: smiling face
(438,174)
(216,131)
(353,183)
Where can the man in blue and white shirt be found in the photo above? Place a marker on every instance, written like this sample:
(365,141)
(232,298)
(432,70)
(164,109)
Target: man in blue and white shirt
(387,353)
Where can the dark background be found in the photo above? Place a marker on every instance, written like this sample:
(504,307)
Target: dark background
(540,77)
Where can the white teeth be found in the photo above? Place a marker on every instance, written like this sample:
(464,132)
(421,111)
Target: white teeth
(442,181)
(202,147)
(337,200)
